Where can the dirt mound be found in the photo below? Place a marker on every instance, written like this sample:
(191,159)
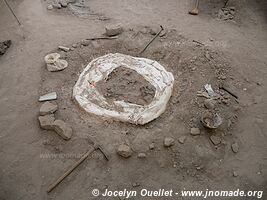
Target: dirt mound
(127,85)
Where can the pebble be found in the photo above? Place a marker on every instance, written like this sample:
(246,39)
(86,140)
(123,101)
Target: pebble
(215,139)
(47,121)
(124,151)
(152,146)
(62,129)
(168,141)
(50,7)
(141,155)
(235,174)
(48,96)
(209,104)
(195,131)
(136,184)
(57,5)
(64,48)
(235,147)
(75,45)
(85,42)
(48,108)
(63,3)
(182,139)
(113,30)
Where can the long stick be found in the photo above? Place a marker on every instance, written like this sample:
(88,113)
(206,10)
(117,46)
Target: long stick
(12,11)
(161,29)
(51,187)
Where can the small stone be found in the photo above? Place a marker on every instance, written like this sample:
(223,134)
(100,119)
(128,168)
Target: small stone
(195,131)
(57,5)
(215,139)
(141,155)
(168,141)
(63,3)
(209,104)
(62,129)
(4,46)
(48,97)
(152,146)
(85,42)
(47,121)
(113,30)
(235,147)
(50,7)
(48,108)
(136,184)
(75,45)
(53,63)
(235,174)
(182,139)
(124,151)
(64,48)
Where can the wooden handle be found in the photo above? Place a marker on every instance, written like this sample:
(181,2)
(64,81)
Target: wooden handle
(51,187)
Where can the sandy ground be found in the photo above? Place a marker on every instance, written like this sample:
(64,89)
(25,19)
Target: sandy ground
(195,165)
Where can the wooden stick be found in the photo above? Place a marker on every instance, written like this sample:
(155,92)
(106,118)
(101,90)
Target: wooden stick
(51,187)
(103,38)
(11,10)
(161,29)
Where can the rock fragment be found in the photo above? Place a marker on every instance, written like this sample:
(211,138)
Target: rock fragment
(235,147)
(235,174)
(141,155)
(62,129)
(113,30)
(48,108)
(49,7)
(85,42)
(4,46)
(124,151)
(63,3)
(47,121)
(168,141)
(182,139)
(195,131)
(152,146)
(48,97)
(64,48)
(209,104)
(215,139)
(53,62)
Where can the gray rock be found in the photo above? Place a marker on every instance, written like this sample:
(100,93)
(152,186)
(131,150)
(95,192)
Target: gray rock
(168,141)
(63,3)
(4,46)
(209,104)
(48,108)
(85,42)
(47,121)
(53,63)
(75,45)
(195,131)
(62,129)
(64,48)
(141,155)
(124,151)
(56,5)
(182,139)
(215,139)
(235,147)
(113,30)
(49,7)
(48,97)
(152,146)
(235,174)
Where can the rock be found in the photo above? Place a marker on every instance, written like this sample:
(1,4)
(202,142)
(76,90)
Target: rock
(53,63)
(48,97)
(209,104)
(141,155)
(124,151)
(85,42)
(195,131)
(49,7)
(75,45)
(48,108)
(47,121)
(57,5)
(64,48)
(235,147)
(215,139)
(168,141)
(182,139)
(152,146)
(113,30)
(136,184)
(235,174)
(63,3)
(63,129)
(4,46)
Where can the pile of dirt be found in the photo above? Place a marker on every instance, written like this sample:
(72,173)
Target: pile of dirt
(124,84)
